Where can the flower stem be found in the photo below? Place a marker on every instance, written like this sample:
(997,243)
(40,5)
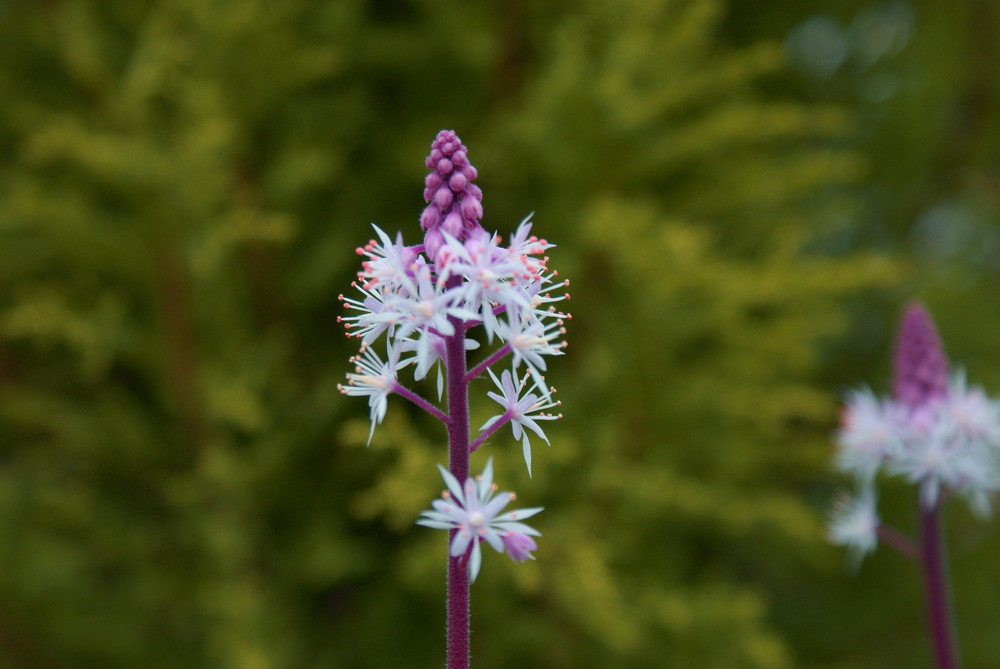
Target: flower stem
(458,464)
(892,537)
(403,391)
(938,595)
(485,434)
(491,360)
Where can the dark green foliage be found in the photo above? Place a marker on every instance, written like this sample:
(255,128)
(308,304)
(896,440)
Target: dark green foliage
(184,182)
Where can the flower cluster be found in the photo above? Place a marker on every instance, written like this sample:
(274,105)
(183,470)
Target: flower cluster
(420,302)
(939,433)
(473,510)
(461,273)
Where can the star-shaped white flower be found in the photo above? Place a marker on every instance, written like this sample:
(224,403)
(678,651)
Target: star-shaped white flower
(854,523)
(474,511)
(373,378)
(518,409)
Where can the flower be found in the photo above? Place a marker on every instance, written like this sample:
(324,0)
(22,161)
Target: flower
(529,339)
(373,378)
(854,523)
(517,410)
(473,510)
(870,433)
(388,263)
(956,446)
(975,414)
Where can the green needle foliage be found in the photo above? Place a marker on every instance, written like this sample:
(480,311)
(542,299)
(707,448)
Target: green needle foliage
(181,484)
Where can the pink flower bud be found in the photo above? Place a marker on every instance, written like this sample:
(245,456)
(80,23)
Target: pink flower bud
(433,241)
(472,209)
(432,181)
(453,224)
(443,198)
(430,217)
(519,546)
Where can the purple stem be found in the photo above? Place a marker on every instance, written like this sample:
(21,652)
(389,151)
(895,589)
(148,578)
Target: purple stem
(458,463)
(403,391)
(494,357)
(892,537)
(938,599)
(497,310)
(483,436)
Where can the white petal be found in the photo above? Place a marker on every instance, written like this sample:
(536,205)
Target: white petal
(474,563)
(453,485)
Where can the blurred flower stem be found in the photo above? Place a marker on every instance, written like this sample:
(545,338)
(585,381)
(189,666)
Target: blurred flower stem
(939,610)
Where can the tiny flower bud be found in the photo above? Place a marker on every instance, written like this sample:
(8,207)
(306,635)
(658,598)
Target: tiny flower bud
(432,181)
(472,209)
(430,217)
(443,198)
(453,224)
(433,241)
(519,546)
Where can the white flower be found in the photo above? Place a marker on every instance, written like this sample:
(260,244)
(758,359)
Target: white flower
(374,318)
(943,455)
(373,378)
(870,432)
(975,414)
(388,264)
(854,523)
(530,339)
(517,410)
(473,510)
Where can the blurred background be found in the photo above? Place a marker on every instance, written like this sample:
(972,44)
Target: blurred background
(744,196)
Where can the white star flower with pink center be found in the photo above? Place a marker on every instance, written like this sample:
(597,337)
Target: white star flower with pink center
(474,510)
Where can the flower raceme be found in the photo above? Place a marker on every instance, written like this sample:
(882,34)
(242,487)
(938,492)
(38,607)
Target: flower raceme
(418,306)
(937,432)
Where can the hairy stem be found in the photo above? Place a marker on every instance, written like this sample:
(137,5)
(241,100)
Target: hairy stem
(495,357)
(403,391)
(458,464)
(485,434)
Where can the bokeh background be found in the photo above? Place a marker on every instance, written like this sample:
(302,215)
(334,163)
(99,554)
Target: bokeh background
(744,195)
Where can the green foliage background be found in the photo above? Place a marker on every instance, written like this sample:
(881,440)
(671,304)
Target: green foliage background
(183,184)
